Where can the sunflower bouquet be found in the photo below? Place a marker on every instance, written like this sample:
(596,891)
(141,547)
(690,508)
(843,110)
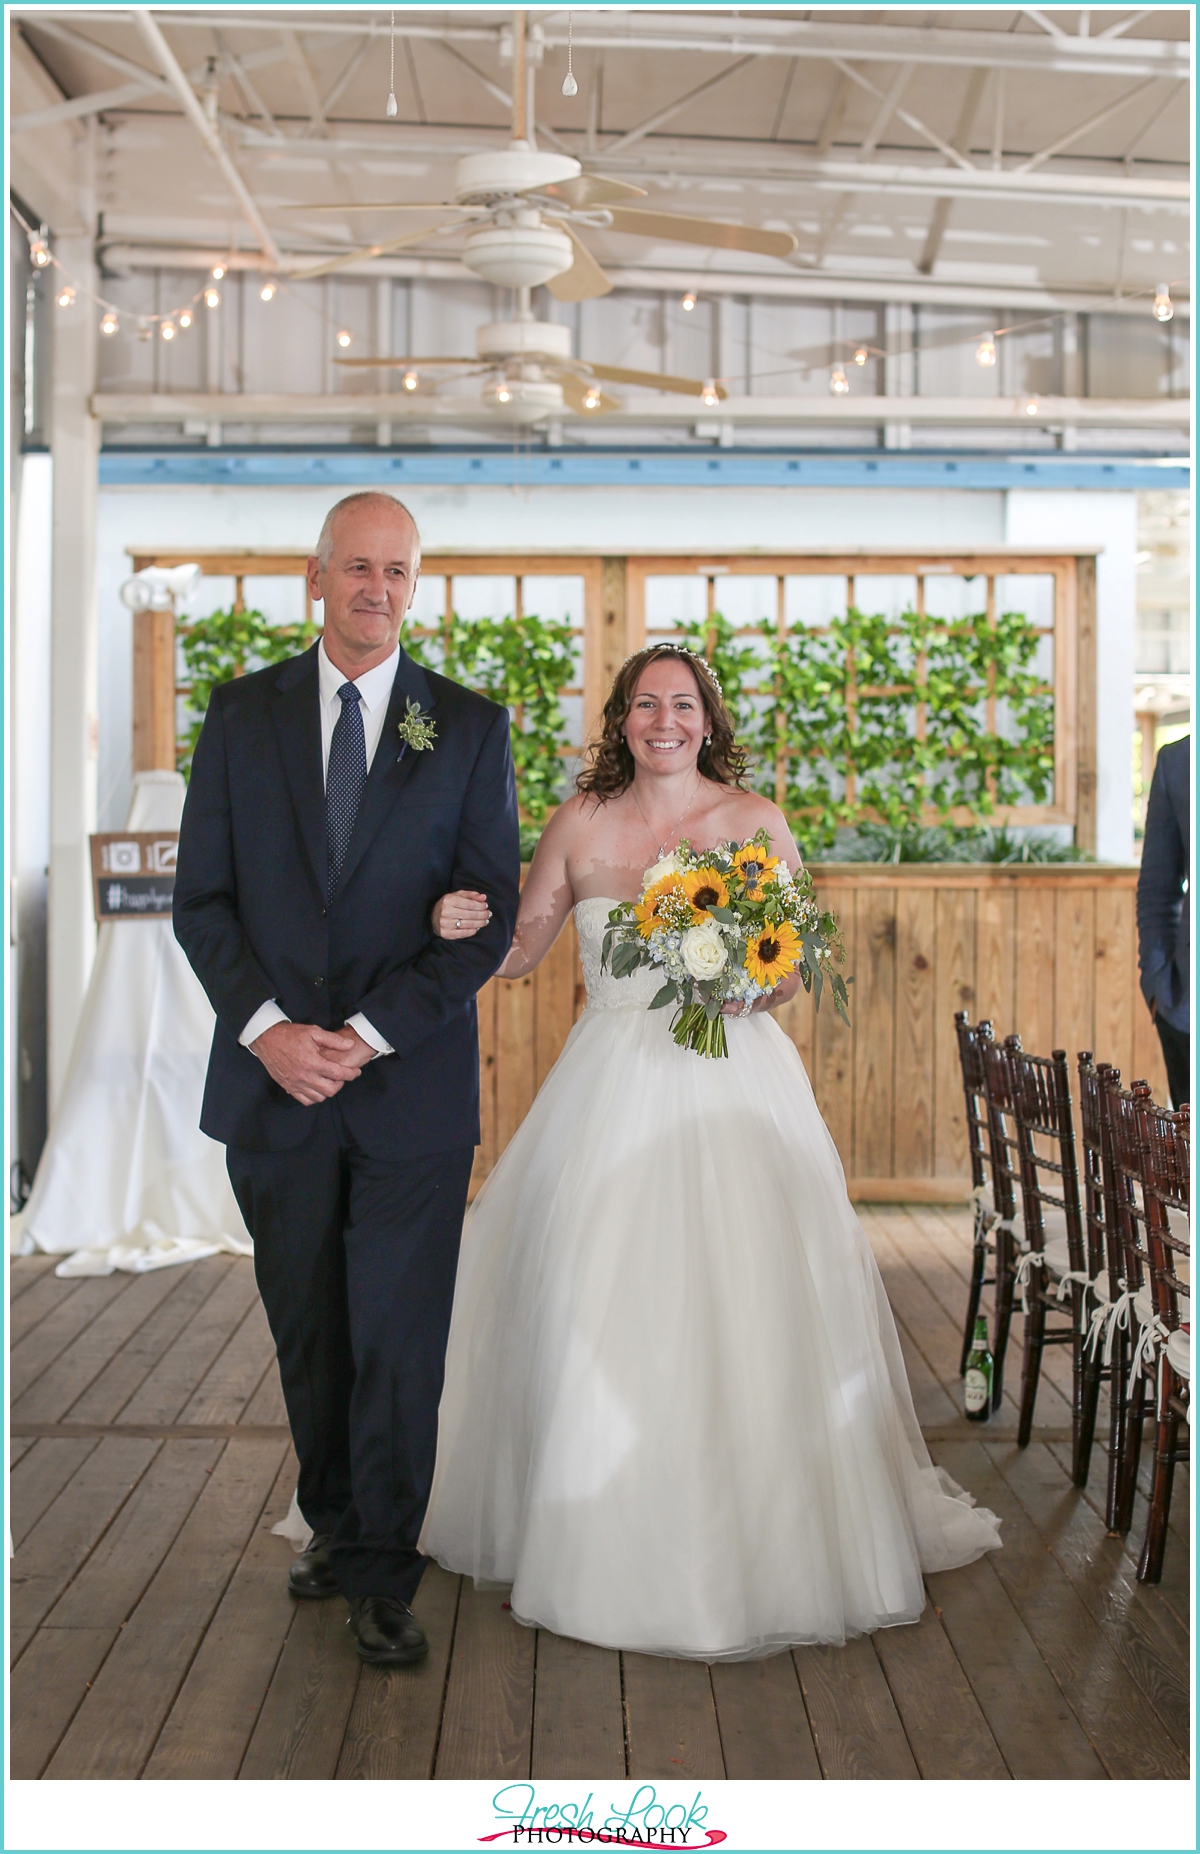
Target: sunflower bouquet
(725,926)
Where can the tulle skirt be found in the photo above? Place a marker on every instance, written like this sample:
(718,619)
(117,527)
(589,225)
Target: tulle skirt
(676,1418)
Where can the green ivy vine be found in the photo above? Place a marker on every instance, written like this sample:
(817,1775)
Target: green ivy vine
(224,645)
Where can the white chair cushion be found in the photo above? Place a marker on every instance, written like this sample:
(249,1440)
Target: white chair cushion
(1058,1259)
(1143,1307)
(1180,1225)
(1179,1354)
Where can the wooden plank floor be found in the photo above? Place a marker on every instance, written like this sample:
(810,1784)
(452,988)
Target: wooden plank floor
(152,1634)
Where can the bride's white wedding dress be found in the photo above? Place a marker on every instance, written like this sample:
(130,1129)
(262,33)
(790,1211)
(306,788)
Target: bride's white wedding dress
(676,1418)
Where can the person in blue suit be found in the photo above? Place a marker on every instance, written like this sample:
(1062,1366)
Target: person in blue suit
(333,799)
(1164,930)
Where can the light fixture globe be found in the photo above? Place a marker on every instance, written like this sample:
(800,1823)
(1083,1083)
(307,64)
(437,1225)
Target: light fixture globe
(519,256)
(528,400)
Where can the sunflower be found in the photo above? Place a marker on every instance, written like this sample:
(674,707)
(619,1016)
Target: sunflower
(771,954)
(649,911)
(705,888)
(755,867)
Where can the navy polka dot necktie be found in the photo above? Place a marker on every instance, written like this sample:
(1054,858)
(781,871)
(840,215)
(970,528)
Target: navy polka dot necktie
(345,779)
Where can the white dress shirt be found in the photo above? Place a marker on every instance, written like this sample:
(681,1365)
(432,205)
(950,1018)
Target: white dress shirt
(375,692)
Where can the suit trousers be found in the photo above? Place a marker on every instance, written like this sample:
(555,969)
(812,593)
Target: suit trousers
(355,1260)
(1177,1054)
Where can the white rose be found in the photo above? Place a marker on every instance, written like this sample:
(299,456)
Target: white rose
(703,951)
(666,866)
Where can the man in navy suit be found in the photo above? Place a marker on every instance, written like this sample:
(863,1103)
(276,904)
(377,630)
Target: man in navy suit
(333,799)
(1164,930)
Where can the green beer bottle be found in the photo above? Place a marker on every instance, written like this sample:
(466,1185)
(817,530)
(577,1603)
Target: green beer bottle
(978,1379)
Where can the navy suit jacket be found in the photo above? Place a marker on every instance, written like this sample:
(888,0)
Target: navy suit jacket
(1164,930)
(253,917)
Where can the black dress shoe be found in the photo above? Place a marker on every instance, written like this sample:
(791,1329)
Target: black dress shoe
(387,1632)
(310,1575)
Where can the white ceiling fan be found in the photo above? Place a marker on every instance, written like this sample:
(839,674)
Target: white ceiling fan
(520,209)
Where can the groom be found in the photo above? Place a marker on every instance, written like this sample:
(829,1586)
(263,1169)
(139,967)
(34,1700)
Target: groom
(333,798)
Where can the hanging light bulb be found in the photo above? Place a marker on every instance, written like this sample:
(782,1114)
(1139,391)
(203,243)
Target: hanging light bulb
(689,301)
(392,105)
(569,87)
(1031,406)
(344,337)
(591,399)
(65,297)
(504,392)
(1164,308)
(985,353)
(108,322)
(185,318)
(39,253)
(710,395)
(267,292)
(212,298)
(167,331)
(838,383)
(861,356)
(411,381)
(218,271)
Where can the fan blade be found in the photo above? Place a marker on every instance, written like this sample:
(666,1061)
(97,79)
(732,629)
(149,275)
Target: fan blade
(574,391)
(590,190)
(357,257)
(664,382)
(386,206)
(585,278)
(412,360)
(686,231)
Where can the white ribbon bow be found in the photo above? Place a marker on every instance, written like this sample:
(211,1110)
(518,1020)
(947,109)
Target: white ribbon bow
(1151,1334)
(1118,1320)
(1031,1260)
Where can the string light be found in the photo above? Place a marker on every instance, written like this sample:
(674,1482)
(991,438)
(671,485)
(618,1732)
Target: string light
(689,301)
(1164,308)
(710,395)
(838,383)
(65,297)
(39,251)
(218,271)
(591,399)
(411,381)
(212,298)
(985,353)
(167,331)
(861,356)
(108,323)
(344,337)
(1031,406)
(267,292)
(185,318)
(504,392)
(392,105)
(569,87)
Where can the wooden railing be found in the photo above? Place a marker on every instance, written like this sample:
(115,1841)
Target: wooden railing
(1049,951)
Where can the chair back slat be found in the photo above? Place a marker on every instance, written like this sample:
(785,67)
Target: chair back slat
(971,1040)
(1166,1142)
(1096,1221)
(1002,1140)
(1128,1170)
(1046,1148)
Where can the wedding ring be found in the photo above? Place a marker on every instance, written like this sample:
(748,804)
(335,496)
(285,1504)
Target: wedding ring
(458,923)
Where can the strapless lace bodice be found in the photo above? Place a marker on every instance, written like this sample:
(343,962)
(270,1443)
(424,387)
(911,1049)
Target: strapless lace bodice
(605,993)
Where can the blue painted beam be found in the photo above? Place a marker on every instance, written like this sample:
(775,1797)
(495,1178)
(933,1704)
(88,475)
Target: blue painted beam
(670,469)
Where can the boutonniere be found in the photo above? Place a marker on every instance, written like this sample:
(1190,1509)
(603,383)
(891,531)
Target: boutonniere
(416,730)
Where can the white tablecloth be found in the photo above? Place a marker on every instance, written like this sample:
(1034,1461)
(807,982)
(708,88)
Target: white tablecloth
(127,1180)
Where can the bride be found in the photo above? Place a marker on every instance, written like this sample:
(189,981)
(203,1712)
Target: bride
(675,1416)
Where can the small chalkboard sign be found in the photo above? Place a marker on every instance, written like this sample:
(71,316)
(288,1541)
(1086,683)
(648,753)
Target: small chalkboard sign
(133,874)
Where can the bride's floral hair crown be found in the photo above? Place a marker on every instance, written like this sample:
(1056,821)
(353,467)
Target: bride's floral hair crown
(680,650)
(609,766)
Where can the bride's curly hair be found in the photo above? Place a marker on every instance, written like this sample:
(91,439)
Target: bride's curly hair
(610,766)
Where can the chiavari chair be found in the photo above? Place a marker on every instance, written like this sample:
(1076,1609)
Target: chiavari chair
(1007,1232)
(971,1038)
(1133,1312)
(1106,1349)
(1166,1142)
(1055,1259)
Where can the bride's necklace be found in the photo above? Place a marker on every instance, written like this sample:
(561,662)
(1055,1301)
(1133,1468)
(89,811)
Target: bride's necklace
(663,847)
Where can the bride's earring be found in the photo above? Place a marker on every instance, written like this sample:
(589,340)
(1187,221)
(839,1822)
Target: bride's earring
(708,740)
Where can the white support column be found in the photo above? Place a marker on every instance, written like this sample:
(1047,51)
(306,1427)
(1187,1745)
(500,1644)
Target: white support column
(74,743)
(899,369)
